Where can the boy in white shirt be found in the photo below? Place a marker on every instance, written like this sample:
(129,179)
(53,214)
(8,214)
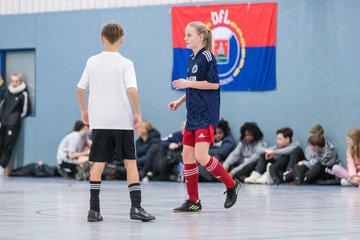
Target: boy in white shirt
(111,81)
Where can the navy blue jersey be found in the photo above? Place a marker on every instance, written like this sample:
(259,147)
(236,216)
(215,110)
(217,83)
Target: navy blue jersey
(202,105)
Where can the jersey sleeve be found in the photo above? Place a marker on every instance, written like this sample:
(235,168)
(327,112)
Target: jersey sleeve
(211,67)
(84,80)
(130,76)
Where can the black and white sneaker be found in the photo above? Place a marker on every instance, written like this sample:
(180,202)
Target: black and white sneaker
(231,194)
(189,206)
(274,175)
(140,214)
(94,216)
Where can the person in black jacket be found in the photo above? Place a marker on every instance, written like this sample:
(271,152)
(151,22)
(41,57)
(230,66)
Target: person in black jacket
(12,109)
(147,146)
(3,88)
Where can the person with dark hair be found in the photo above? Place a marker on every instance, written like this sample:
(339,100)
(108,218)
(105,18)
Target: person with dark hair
(224,141)
(247,152)
(73,152)
(279,155)
(13,108)
(224,144)
(321,172)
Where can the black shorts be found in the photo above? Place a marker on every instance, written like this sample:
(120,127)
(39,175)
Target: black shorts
(108,143)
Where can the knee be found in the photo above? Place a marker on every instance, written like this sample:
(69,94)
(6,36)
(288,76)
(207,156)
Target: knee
(202,158)
(336,168)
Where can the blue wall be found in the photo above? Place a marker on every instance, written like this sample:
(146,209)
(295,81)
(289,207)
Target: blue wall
(317,71)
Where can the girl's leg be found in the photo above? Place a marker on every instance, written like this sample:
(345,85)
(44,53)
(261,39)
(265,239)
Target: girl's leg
(340,171)
(191,173)
(211,164)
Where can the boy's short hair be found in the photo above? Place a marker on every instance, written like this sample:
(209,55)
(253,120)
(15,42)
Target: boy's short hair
(286,132)
(317,140)
(112,32)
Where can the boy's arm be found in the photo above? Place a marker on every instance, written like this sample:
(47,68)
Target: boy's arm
(82,102)
(203,85)
(134,98)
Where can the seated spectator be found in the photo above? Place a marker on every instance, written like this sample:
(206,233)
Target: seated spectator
(3,88)
(350,176)
(279,155)
(243,159)
(307,160)
(146,147)
(73,152)
(224,144)
(321,171)
(13,108)
(224,141)
(167,158)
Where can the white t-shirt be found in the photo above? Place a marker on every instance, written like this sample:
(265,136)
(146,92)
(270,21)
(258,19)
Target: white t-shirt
(107,76)
(73,142)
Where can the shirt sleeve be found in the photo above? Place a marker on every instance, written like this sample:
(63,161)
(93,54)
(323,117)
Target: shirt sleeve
(84,80)
(212,75)
(130,76)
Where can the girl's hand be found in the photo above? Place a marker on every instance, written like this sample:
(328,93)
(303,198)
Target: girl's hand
(181,84)
(173,105)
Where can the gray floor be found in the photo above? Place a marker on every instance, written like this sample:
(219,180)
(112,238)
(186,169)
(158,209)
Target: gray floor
(56,209)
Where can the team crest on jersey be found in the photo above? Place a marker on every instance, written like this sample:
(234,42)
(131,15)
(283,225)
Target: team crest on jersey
(194,68)
(228,46)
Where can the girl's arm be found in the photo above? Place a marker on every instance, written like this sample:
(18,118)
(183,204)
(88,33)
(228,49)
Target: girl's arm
(202,85)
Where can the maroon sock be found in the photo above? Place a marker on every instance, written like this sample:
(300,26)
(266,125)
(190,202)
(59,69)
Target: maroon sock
(216,168)
(191,174)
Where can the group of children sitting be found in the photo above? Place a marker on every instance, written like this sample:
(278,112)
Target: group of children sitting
(250,161)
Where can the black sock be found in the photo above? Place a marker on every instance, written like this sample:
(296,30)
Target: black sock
(94,195)
(135,194)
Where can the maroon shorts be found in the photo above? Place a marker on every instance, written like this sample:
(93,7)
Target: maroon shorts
(191,137)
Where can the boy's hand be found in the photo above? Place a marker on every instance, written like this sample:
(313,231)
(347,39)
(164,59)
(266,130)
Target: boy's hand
(137,121)
(180,84)
(85,117)
(173,105)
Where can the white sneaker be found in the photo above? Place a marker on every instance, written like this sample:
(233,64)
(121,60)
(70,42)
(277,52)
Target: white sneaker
(345,183)
(253,177)
(269,178)
(264,178)
(1,171)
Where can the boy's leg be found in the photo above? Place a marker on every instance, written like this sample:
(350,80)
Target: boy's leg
(313,174)
(136,211)
(95,184)
(215,167)
(276,170)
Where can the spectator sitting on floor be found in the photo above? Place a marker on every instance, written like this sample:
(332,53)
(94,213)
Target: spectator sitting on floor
(146,147)
(243,159)
(277,155)
(73,152)
(351,175)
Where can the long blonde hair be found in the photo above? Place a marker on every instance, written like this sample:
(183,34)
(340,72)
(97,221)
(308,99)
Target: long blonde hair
(354,135)
(202,29)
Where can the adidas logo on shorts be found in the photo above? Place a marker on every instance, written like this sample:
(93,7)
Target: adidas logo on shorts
(201,135)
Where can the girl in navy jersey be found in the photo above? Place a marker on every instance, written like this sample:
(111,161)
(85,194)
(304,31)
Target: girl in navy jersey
(202,103)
